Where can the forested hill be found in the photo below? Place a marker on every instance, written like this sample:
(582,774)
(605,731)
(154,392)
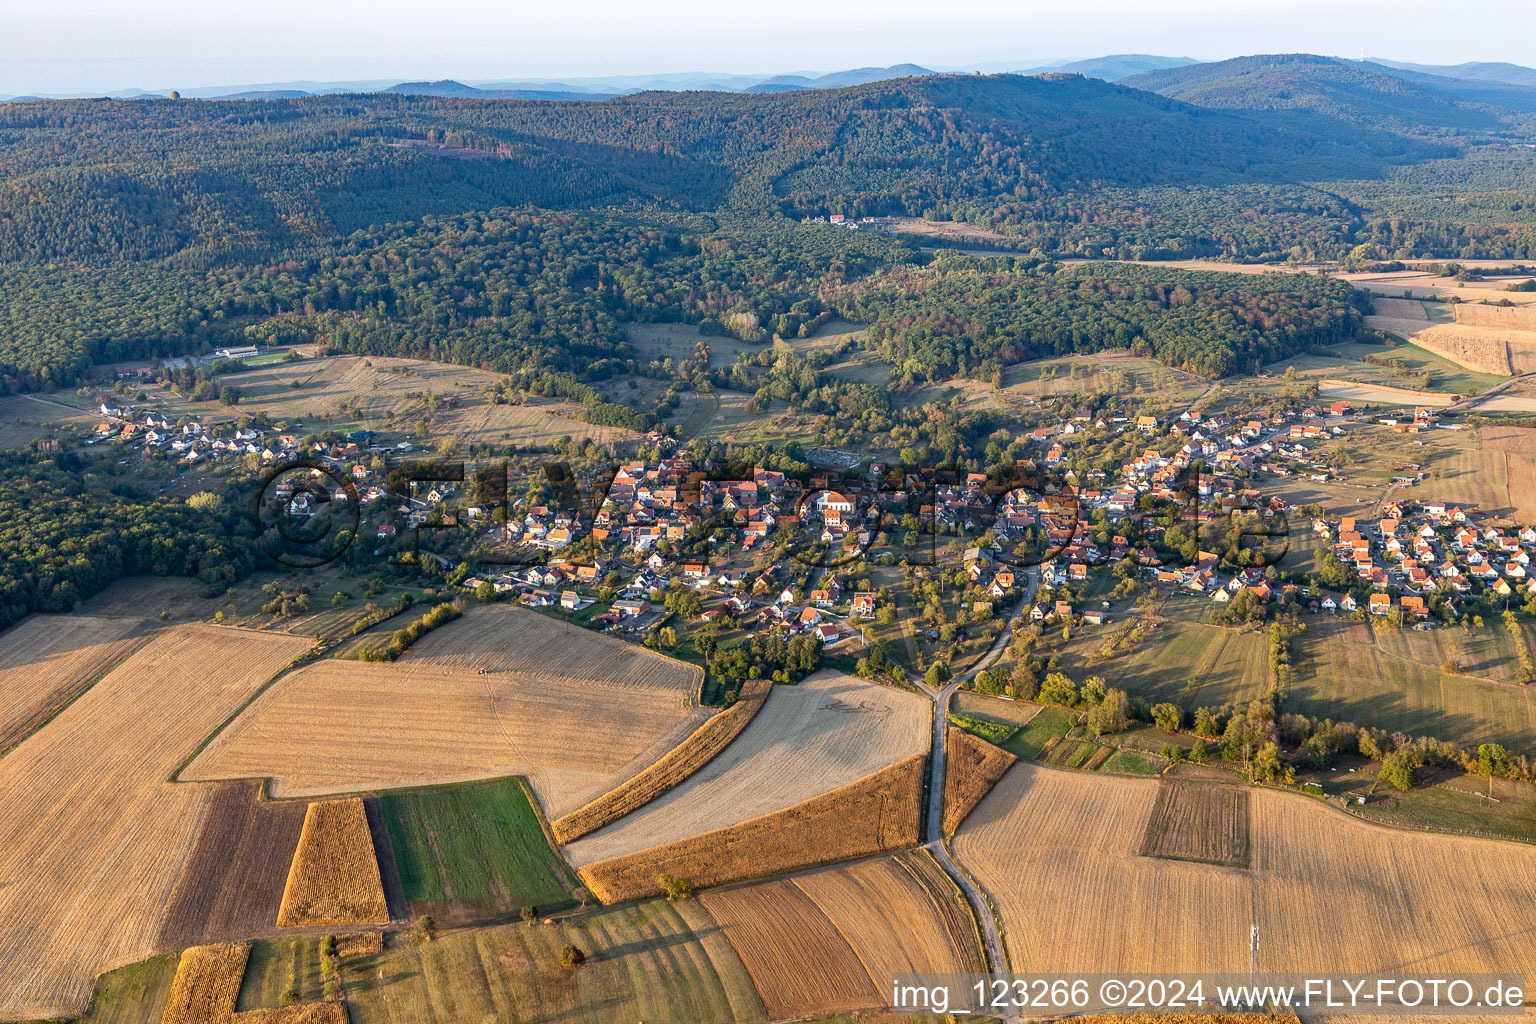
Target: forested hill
(1365,95)
(106,180)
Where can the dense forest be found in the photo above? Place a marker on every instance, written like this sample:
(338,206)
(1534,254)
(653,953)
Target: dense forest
(64,535)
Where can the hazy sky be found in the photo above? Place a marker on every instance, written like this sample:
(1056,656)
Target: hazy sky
(92,45)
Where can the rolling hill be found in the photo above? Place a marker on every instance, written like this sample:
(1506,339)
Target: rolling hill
(1362,95)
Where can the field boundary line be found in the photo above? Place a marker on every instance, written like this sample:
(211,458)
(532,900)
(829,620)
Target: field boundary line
(108,670)
(298,662)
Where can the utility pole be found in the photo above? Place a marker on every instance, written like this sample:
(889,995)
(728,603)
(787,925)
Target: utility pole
(1253,955)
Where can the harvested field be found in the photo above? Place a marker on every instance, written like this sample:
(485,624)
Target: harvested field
(798,960)
(831,940)
(1379,394)
(207,984)
(1058,849)
(431,718)
(671,771)
(1403,309)
(335,875)
(971,768)
(1208,824)
(46,661)
(828,731)
(232,884)
(474,851)
(504,638)
(92,833)
(880,812)
(359,944)
(658,962)
(1519,317)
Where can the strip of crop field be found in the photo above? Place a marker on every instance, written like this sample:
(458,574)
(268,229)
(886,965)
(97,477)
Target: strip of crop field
(474,851)
(878,813)
(654,961)
(336,727)
(92,836)
(676,767)
(1200,823)
(335,875)
(232,884)
(971,768)
(831,940)
(207,984)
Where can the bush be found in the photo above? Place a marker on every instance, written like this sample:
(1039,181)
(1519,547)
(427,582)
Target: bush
(571,957)
(675,888)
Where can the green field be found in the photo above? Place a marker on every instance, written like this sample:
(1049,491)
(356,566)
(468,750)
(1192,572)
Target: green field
(272,964)
(1049,724)
(1132,762)
(654,962)
(134,994)
(995,733)
(1184,661)
(479,846)
(1396,680)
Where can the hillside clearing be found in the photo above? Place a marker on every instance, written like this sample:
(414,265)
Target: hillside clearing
(92,833)
(828,731)
(876,814)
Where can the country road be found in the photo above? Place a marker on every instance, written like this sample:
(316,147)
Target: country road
(935,843)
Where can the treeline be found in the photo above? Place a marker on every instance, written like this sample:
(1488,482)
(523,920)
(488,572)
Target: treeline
(65,536)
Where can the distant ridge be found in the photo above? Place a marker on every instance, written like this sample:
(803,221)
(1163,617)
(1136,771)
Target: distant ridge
(1472,71)
(448,88)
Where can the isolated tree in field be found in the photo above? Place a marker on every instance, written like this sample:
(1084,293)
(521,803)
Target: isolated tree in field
(426,928)
(571,957)
(530,914)
(675,888)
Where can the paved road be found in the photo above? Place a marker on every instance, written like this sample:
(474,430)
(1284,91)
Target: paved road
(935,843)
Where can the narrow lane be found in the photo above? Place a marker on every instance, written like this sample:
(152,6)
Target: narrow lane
(935,843)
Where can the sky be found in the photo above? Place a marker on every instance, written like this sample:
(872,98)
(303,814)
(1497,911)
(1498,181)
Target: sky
(85,46)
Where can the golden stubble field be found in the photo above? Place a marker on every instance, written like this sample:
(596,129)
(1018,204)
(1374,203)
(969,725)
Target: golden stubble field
(831,940)
(574,711)
(48,660)
(1057,852)
(828,731)
(92,832)
(334,878)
